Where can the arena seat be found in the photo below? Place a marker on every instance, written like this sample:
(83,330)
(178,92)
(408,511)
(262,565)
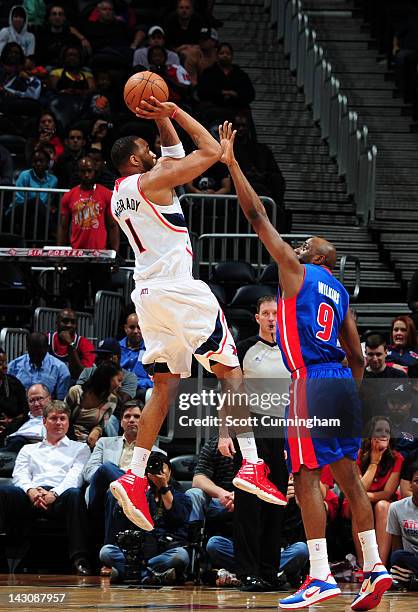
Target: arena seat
(13,340)
(233,274)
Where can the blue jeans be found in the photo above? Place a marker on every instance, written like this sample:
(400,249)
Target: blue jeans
(177,558)
(403,558)
(221,554)
(203,506)
(101,501)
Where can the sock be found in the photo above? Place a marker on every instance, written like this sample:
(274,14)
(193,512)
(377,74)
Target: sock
(246,443)
(369,547)
(318,557)
(139,461)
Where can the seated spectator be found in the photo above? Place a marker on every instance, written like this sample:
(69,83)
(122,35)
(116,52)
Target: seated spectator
(212,492)
(55,34)
(67,346)
(66,166)
(111,39)
(17,31)
(402,526)
(6,167)
(104,174)
(224,87)
(46,133)
(215,180)
(38,366)
(166,557)
(19,91)
(109,351)
(406,474)
(32,430)
(37,206)
(257,159)
(208,43)
(175,76)
(93,403)
(182,27)
(403,352)
(100,138)
(132,349)
(46,483)
(404,424)
(156,38)
(379,378)
(379,467)
(105,103)
(72,85)
(13,404)
(111,457)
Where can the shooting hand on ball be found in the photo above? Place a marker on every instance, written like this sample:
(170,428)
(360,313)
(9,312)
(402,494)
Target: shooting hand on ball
(227,138)
(154,109)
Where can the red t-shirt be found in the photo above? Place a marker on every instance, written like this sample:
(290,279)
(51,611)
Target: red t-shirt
(88,211)
(84,347)
(379,482)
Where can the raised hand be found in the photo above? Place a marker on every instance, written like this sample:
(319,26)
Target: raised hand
(154,109)
(227,138)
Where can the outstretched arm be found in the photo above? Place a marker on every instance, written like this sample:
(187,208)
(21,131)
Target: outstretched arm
(290,270)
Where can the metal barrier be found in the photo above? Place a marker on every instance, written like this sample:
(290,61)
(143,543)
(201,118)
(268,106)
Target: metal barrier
(209,253)
(356,161)
(13,340)
(107,312)
(343,264)
(219,213)
(30,212)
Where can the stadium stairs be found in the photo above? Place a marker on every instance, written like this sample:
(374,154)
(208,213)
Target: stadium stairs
(315,194)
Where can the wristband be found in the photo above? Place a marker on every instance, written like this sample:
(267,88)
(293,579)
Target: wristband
(164,490)
(176,151)
(174,112)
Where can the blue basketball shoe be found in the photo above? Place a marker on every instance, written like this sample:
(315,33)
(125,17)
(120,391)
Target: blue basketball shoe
(311,592)
(375,583)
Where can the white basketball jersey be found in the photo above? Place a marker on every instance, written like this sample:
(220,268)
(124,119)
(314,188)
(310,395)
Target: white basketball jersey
(157,234)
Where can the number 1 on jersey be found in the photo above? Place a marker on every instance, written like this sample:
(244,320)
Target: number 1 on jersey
(325,319)
(135,236)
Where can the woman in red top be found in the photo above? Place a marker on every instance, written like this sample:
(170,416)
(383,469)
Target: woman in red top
(379,466)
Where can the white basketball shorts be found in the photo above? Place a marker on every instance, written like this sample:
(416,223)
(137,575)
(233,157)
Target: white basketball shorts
(179,319)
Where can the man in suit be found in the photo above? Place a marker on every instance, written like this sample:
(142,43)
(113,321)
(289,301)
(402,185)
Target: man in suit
(110,459)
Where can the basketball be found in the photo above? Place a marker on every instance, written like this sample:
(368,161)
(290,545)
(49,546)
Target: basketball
(141,86)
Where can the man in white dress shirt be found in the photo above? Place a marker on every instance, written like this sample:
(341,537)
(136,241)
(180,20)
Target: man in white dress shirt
(46,482)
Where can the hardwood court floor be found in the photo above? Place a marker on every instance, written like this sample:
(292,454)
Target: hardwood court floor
(36,592)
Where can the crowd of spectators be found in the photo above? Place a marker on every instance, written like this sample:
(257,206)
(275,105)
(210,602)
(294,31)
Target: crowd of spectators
(66,394)
(61,90)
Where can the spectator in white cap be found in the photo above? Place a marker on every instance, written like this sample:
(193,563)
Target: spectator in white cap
(156,37)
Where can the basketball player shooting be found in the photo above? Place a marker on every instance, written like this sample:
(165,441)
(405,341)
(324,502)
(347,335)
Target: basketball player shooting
(179,316)
(312,315)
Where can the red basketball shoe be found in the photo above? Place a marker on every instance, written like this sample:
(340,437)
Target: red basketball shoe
(130,491)
(252,477)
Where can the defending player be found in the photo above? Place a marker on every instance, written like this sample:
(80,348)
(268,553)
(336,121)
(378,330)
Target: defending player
(179,316)
(313,312)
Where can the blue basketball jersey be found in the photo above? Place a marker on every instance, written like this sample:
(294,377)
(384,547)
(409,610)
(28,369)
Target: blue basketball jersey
(308,325)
